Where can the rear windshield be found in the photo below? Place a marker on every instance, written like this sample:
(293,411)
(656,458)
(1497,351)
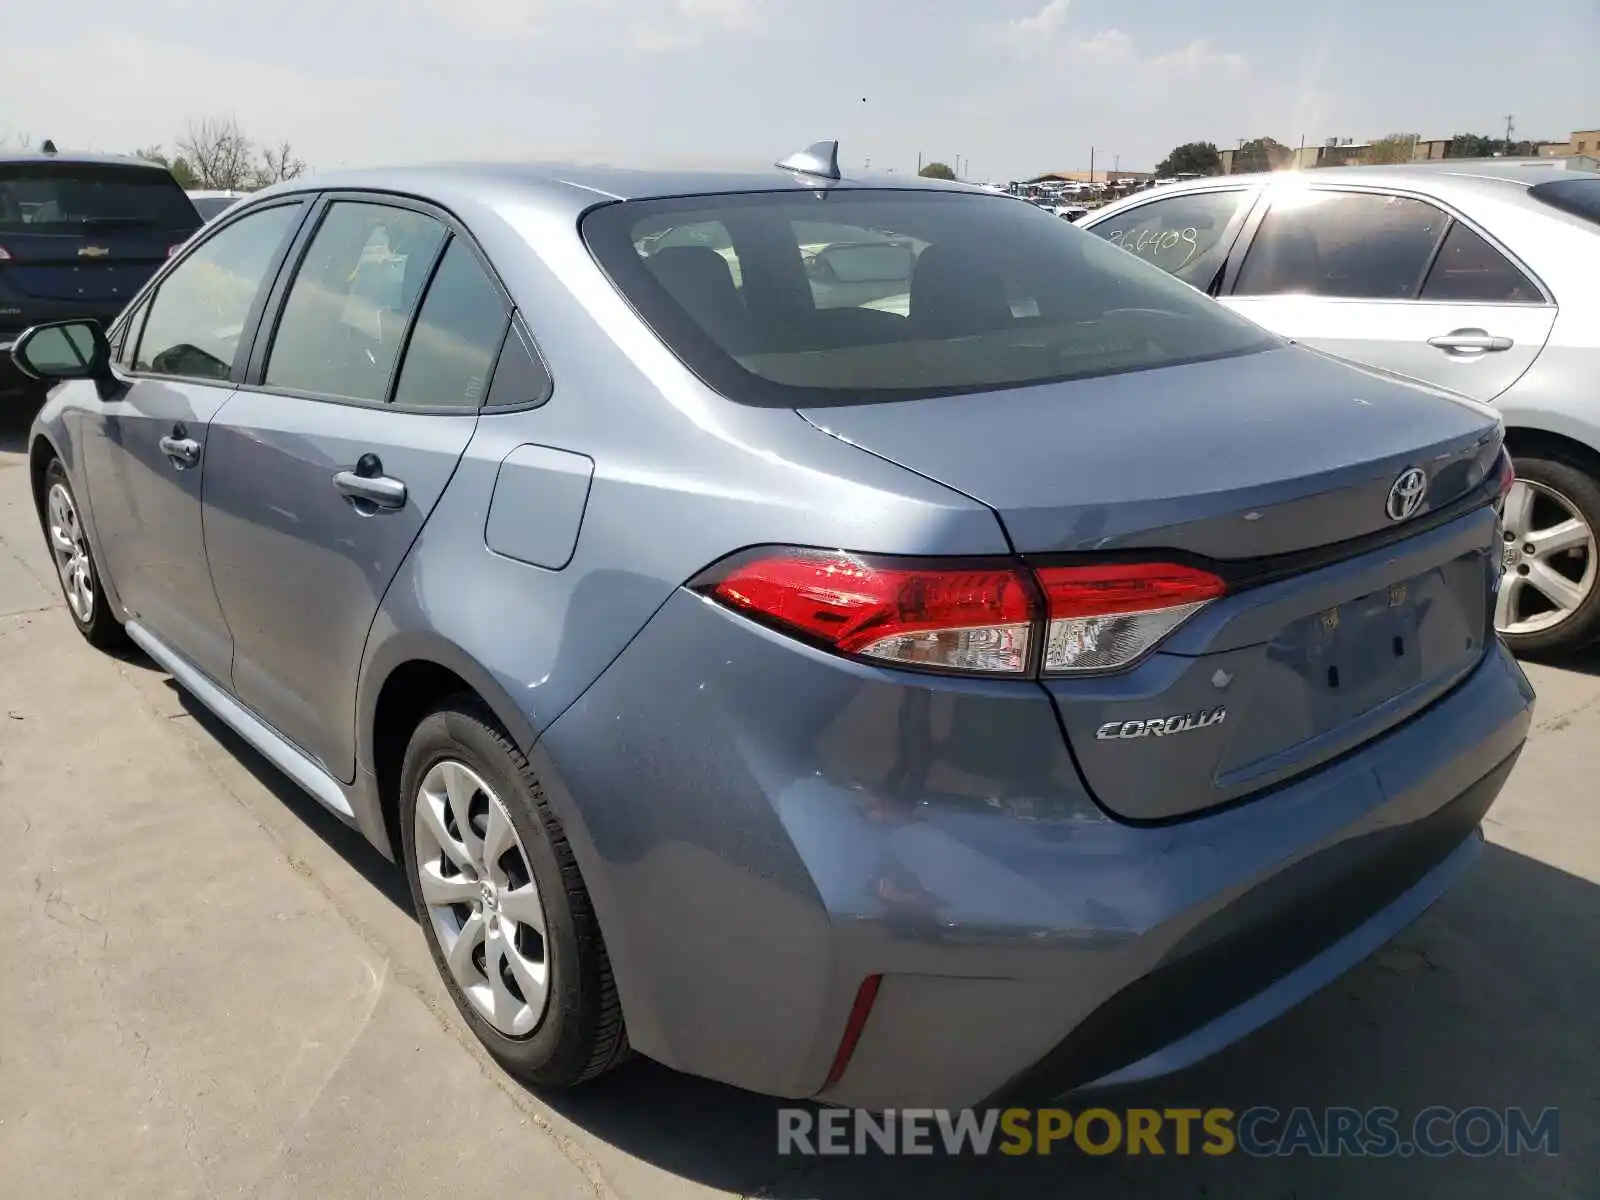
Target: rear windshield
(1580,197)
(852,296)
(72,197)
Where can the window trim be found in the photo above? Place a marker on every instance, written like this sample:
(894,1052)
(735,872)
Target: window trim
(146,296)
(1452,215)
(254,376)
(1231,232)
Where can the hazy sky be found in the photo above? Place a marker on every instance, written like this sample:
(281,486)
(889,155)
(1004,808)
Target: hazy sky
(1017,86)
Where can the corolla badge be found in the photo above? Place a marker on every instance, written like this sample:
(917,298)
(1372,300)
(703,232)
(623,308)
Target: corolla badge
(1162,726)
(1406,494)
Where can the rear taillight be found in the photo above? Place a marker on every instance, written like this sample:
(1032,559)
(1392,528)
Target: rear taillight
(1505,474)
(979,620)
(989,619)
(1103,618)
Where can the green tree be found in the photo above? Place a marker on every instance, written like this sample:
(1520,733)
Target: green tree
(1471,145)
(1261,154)
(1191,158)
(936,170)
(1396,148)
(179,166)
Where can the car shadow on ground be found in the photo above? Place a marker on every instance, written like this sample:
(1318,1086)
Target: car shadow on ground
(1489,1000)
(347,842)
(16,417)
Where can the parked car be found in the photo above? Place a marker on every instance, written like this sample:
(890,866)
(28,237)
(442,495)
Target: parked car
(1479,278)
(783,691)
(79,235)
(212,204)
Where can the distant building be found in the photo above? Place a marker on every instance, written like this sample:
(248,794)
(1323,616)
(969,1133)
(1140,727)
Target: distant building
(1582,149)
(1098,175)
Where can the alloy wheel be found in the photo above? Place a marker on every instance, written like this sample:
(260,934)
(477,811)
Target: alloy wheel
(71,552)
(477,883)
(1547,560)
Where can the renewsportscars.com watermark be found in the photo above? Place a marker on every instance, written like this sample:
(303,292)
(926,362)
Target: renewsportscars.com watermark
(1434,1132)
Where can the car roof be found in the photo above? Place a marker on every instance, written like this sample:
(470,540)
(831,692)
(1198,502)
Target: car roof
(11,157)
(1439,177)
(568,185)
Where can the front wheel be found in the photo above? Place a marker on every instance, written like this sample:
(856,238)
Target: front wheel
(501,902)
(75,565)
(1548,601)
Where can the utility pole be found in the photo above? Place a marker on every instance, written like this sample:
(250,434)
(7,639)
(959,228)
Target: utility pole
(1509,127)
(919,162)
(1091,164)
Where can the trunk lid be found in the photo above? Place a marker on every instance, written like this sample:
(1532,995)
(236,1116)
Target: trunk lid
(99,268)
(1275,470)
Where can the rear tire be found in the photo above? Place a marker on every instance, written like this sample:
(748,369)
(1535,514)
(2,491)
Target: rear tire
(542,1000)
(76,571)
(1550,590)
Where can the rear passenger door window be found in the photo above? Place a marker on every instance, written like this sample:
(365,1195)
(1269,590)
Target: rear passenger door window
(351,302)
(1187,235)
(1347,245)
(199,314)
(1469,269)
(457,335)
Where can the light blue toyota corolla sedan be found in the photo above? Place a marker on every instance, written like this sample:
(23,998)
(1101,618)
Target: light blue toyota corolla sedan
(865,640)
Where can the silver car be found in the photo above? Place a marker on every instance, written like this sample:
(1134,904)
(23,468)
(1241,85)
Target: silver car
(1479,278)
(1040,679)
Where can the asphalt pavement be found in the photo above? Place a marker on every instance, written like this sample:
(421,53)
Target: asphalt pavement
(212,988)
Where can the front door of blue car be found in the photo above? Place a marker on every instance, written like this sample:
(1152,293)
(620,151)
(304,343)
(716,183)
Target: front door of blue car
(324,466)
(144,448)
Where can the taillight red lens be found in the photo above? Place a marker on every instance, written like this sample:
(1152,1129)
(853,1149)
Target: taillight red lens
(979,620)
(983,620)
(1106,617)
(1507,473)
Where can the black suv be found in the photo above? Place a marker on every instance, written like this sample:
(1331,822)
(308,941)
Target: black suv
(79,235)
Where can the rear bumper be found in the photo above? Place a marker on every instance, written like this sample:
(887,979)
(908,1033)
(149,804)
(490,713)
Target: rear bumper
(775,825)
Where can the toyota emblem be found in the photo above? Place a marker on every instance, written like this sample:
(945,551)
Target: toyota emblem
(1406,494)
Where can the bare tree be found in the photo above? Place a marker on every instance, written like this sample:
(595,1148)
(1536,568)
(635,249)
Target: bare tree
(219,154)
(278,163)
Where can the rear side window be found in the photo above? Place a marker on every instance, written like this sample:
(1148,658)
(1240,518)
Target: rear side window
(198,315)
(1354,245)
(1180,234)
(456,337)
(351,301)
(1470,269)
(1579,197)
(855,296)
(520,376)
(63,197)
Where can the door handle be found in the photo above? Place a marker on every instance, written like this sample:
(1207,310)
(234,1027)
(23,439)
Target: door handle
(182,449)
(368,484)
(1469,341)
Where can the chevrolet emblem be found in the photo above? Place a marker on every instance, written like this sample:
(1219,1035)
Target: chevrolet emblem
(93,252)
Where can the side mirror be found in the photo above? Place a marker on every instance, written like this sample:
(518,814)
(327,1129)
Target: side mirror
(65,350)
